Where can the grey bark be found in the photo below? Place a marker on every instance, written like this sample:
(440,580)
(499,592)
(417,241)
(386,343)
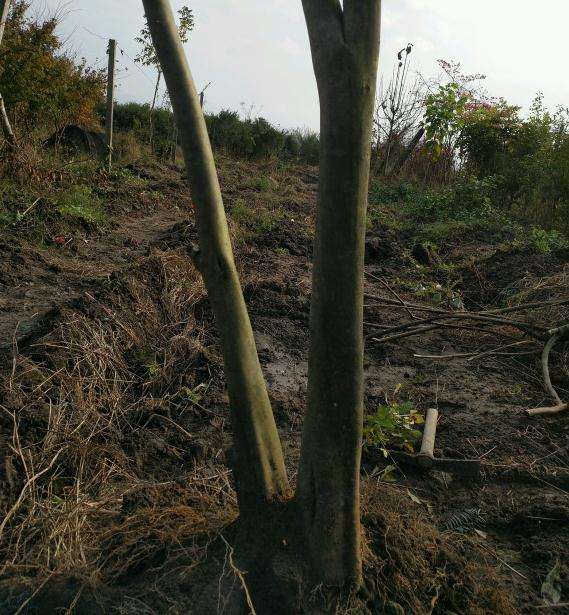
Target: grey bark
(345,48)
(153,106)
(259,463)
(4,8)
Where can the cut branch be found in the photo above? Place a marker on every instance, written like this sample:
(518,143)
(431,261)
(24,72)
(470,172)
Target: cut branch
(560,406)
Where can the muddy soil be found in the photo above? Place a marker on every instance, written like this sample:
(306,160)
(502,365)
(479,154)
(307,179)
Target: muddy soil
(512,521)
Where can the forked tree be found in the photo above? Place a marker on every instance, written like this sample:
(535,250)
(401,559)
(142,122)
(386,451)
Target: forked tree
(344,40)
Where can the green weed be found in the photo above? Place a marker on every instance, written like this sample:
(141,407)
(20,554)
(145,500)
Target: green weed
(544,242)
(393,423)
(261,183)
(80,202)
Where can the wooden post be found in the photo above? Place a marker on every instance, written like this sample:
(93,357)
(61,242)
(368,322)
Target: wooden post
(112,51)
(4,121)
(4,8)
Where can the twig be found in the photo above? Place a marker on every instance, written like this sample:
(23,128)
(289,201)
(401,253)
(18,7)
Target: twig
(30,482)
(34,594)
(179,427)
(531,330)
(393,292)
(502,561)
(471,356)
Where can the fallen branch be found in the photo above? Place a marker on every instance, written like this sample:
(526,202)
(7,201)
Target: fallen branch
(560,406)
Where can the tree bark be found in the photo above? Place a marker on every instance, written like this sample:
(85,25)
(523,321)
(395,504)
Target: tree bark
(260,473)
(4,121)
(345,48)
(6,127)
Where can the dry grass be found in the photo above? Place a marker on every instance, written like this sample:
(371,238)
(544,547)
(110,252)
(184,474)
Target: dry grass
(408,560)
(89,413)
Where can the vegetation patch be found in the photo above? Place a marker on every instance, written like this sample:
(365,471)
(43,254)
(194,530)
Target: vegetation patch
(80,202)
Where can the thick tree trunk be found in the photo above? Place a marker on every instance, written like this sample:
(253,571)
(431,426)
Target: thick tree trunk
(259,464)
(345,47)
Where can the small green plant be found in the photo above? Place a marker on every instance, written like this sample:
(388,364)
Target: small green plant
(544,242)
(80,202)
(254,222)
(261,183)
(393,423)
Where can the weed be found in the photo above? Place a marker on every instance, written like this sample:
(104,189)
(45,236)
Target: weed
(80,202)
(252,222)
(544,242)
(261,183)
(392,423)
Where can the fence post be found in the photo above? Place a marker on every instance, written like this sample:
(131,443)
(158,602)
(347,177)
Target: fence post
(112,51)
(4,8)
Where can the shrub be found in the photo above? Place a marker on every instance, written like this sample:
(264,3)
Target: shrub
(80,202)
(44,88)
(546,241)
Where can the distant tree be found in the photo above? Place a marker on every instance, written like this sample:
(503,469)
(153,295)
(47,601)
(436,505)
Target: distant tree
(398,113)
(148,57)
(42,85)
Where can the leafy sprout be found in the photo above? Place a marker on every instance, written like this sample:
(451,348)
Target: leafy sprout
(392,424)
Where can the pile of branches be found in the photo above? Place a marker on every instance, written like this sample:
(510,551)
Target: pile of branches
(489,321)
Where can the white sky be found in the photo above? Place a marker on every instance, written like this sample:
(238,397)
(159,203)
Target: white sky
(256,51)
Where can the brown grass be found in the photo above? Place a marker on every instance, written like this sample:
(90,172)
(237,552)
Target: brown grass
(83,497)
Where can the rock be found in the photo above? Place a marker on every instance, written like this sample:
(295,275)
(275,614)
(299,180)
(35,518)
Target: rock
(424,255)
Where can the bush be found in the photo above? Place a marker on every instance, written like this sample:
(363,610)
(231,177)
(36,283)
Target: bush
(43,87)
(249,138)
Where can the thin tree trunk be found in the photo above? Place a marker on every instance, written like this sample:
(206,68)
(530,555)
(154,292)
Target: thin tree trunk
(259,464)
(4,121)
(407,152)
(345,47)
(6,127)
(153,106)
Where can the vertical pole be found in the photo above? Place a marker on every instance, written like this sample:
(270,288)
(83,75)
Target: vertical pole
(202,95)
(4,121)
(4,8)
(112,51)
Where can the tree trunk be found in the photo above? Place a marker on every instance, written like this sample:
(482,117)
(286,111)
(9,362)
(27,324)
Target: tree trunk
(153,106)
(6,127)
(260,473)
(4,121)
(345,48)
(407,152)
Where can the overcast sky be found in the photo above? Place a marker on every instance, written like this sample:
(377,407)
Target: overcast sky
(255,52)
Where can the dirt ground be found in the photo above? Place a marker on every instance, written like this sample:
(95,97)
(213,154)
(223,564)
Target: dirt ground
(114,426)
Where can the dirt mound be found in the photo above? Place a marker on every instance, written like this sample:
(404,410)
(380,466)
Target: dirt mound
(515,274)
